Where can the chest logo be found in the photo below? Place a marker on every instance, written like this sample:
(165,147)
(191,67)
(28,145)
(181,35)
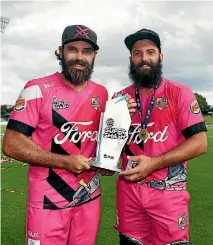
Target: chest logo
(161,103)
(95,102)
(56,105)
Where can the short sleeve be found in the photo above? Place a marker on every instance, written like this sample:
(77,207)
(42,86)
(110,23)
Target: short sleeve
(190,119)
(25,115)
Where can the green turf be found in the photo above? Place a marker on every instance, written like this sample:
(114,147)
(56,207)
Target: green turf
(208,120)
(3,127)
(200,185)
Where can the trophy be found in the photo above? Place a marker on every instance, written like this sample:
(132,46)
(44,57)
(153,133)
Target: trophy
(113,134)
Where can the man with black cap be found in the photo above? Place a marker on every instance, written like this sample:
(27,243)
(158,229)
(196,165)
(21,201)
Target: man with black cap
(167,130)
(54,127)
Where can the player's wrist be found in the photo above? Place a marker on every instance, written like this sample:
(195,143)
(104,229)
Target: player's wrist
(157,163)
(64,161)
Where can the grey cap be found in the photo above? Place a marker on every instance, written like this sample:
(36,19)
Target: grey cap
(79,33)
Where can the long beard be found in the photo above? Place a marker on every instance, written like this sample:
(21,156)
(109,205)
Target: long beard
(147,78)
(76,76)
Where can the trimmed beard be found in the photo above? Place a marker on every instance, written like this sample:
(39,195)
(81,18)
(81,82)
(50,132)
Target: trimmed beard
(148,78)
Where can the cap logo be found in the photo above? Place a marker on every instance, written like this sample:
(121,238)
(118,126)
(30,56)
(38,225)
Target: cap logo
(82,32)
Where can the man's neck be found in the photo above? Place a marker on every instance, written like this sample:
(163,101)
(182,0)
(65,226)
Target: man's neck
(77,87)
(145,90)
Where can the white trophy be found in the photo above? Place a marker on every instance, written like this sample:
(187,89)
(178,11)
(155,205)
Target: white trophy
(113,134)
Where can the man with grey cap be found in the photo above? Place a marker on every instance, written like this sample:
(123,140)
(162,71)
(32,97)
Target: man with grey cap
(54,127)
(167,130)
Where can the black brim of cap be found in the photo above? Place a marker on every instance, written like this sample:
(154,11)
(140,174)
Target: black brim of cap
(93,44)
(131,39)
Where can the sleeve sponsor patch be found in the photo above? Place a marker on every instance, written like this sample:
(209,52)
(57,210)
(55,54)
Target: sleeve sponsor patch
(194,107)
(20,104)
(30,93)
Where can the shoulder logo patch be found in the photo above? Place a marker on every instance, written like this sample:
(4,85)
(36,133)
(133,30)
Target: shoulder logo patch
(20,104)
(194,107)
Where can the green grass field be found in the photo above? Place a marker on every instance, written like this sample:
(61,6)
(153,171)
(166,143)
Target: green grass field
(208,120)
(200,186)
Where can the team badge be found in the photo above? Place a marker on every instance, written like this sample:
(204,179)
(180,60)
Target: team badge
(20,104)
(194,107)
(161,103)
(95,102)
(182,222)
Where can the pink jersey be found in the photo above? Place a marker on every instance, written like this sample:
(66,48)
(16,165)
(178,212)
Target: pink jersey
(64,121)
(175,117)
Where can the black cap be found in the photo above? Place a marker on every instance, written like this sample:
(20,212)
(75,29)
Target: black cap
(79,33)
(141,35)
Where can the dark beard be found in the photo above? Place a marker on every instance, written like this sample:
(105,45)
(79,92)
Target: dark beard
(146,79)
(74,75)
